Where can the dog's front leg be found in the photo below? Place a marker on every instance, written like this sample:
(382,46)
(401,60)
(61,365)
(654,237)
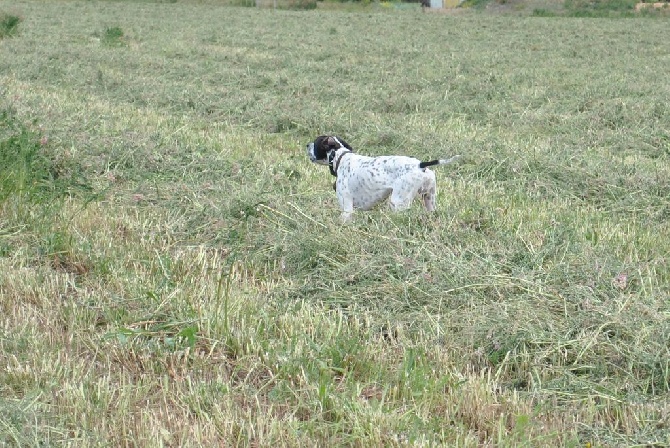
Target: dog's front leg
(346,201)
(346,217)
(347,210)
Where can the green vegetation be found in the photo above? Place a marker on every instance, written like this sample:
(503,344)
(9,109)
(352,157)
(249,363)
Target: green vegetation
(8,24)
(597,8)
(173,270)
(113,36)
(566,8)
(477,3)
(279,4)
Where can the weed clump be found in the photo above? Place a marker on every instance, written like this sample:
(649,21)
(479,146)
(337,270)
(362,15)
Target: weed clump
(287,4)
(113,37)
(8,25)
(27,169)
(23,168)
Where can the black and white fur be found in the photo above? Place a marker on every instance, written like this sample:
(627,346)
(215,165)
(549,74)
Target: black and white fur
(363,182)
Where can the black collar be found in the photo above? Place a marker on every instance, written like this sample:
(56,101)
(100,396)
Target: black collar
(333,170)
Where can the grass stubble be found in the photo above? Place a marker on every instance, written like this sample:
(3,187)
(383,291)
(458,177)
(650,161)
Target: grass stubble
(173,272)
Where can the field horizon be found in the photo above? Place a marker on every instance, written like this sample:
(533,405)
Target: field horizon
(173,270)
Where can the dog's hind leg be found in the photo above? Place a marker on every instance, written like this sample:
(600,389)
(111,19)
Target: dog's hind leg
(428,190)
(401,199)
(429,199)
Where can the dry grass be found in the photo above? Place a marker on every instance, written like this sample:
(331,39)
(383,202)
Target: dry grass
(173,271)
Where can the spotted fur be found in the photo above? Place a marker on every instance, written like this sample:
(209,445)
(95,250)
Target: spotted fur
(363,182)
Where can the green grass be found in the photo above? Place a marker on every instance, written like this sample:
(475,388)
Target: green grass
(566,8)
(173,270)
(112,36)
(8,24)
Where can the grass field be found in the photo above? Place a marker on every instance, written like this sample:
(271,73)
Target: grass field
(173,271)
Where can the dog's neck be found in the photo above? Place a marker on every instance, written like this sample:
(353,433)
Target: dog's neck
(334,162)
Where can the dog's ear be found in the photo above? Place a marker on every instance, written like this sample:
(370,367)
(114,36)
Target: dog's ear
(329,143)
(338,142)
(324,144)
(321,147)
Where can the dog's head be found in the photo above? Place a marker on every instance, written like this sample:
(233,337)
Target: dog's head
(322,150)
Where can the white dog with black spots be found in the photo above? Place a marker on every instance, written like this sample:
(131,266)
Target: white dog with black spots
(363,182)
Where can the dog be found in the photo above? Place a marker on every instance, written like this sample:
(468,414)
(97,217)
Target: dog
(363,182)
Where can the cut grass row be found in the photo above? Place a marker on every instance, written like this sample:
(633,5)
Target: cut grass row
(173,271)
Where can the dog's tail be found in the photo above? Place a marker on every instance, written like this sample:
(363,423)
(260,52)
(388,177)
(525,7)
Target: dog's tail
(439,162)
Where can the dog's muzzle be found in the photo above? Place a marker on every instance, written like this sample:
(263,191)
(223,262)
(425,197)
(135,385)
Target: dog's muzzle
(310,151)
(312,155)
